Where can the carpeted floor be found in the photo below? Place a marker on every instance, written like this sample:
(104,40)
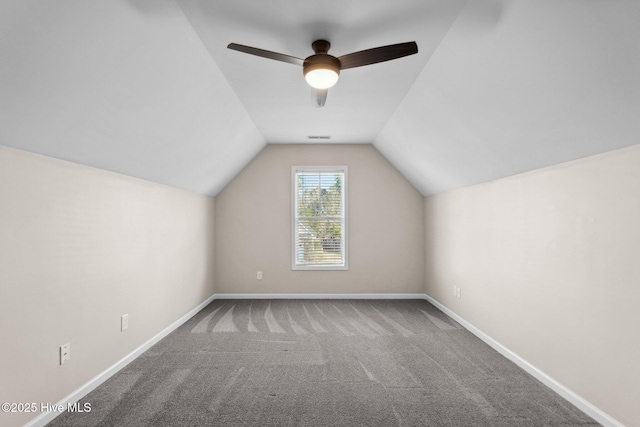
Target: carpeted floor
(323,363)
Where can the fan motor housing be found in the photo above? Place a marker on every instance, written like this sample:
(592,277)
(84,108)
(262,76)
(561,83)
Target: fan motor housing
(321,61)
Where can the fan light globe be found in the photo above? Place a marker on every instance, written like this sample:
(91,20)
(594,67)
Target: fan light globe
(321,78)
(321,71)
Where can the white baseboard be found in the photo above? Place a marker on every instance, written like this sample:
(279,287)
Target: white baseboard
(586,407)
(319,296)
(46,417)
(563,391)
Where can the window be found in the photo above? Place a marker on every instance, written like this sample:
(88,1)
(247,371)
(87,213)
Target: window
(319,218)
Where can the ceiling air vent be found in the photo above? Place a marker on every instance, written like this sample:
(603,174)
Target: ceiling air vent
(319,137)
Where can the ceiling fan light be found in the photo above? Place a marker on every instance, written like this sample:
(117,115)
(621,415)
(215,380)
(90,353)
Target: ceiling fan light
(321,71)
(321,78)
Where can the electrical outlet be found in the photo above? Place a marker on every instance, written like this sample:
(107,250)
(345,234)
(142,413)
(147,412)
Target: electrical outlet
(65,353)
(124,322)
(259,275)
(456,291)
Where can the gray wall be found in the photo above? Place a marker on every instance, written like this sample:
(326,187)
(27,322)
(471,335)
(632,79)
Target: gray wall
(79,247)
(547,263)
(385,226)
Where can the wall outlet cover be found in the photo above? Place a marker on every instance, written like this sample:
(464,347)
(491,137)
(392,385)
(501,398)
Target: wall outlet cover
(124,322)
(65,353)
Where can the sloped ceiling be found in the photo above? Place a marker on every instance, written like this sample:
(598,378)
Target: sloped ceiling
(125,86)
(147,88)
(551,82)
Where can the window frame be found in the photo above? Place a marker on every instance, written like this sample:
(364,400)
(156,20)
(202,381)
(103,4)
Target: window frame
(345,228)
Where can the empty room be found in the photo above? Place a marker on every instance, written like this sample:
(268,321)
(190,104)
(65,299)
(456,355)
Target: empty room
(310,213)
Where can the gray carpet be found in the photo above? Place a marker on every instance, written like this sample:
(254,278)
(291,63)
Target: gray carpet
(323,363)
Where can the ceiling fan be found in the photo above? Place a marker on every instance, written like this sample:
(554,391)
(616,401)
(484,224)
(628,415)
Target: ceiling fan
(322,70)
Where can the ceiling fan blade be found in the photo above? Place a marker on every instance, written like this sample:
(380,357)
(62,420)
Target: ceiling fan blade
(319,97)
(377,54)
(266,54)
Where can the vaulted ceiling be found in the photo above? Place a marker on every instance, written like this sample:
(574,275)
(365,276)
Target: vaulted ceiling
(148,88)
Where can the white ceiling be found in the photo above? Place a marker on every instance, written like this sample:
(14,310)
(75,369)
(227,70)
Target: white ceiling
(147,88)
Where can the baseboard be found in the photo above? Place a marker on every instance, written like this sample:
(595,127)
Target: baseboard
(586,407)
(46,417)
(318,296)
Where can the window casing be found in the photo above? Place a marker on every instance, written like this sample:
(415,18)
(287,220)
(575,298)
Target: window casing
(319,218)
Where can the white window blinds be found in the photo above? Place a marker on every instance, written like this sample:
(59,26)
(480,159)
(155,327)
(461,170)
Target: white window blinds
(319,218)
